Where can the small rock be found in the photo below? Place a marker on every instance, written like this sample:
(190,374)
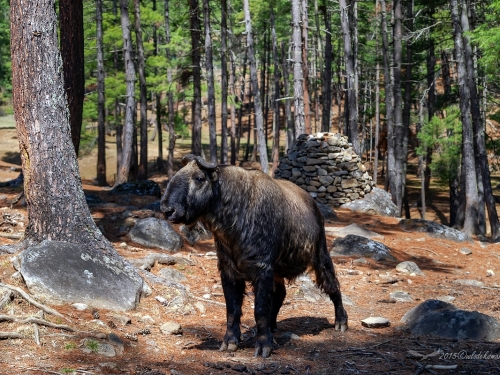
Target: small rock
(200,307)
(290,335)
(360,261)
(375,322)
(240,367)
(172,274)
(469,282)
(80,306)
(147,319)
(171,328)
(354,272)
(409,267)
(91,345)
(210,254)
(490,273)
(116,342)
(122,319)
(207,296)
(399,296)
(465,251)
(123,245)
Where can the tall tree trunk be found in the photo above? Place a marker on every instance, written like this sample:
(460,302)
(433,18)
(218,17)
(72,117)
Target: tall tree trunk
(377,123)
(128,127)
(232,88)
(223,61)
(298,90)
(389,94)
(195,28)
(242,104)
(305,67)
(259,122)
(209,66)
(101,109)
(157,96)
(276,103)
(351,95)
(327,72)
(479,132)
(143,163)
(170,98)
(471,195)
(72,45)
(57,209)
(289,126)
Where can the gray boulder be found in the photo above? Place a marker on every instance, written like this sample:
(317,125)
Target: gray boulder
(409,267)
(434,317)
(141,188)
(353,229)
(352,245)
(62,272)
(433,229)
(172,274)
(152,232)
(377,202)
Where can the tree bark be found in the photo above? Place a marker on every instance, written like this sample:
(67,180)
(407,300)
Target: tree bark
(327,72)
(101,110)
(224,88)
(289,126)
(170,98)
(471,195)
(72,45)
(298,90)
(259,122)
(143,163)
(351,96)
(479,132)
(305,68)
(128,127)
(210,83)
(276,103)
(196,67)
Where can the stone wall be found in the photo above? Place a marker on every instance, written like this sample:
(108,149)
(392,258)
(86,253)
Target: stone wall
(325,165)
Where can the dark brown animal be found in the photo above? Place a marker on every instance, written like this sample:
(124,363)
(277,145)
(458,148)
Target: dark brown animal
(265,231)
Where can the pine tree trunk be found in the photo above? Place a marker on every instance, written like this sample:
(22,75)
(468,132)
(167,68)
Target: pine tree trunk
(290,130)
(305,68)
(210,83)
(276,106)
(389,111)
(196,67)
(128,127)
(232,88)
(224,88)
(242,104)
(351,96)
(471,195)
(143,163)
(327,72)
(101,110)
(298,91)
(72,45)
(259,122)
(479,134)
(170,98)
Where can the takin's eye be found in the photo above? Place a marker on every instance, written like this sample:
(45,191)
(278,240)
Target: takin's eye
(199,177)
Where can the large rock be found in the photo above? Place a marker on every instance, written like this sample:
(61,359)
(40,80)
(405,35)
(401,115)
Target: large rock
(433,229)
(152,232)
(360,246)
(353,229)
(434,317)
(63,272)
(377,202)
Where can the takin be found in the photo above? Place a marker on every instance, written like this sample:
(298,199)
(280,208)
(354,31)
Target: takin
(265,231)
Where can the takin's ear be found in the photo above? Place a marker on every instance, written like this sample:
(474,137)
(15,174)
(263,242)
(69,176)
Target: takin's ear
(214,175)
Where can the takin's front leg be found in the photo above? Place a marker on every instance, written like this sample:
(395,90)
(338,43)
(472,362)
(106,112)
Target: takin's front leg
(233,293)
(263,290)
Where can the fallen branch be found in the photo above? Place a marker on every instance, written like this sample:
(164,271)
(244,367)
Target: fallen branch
(12,236)
(35,303)
(10,335)
(423,248)
(38,321)
(209,301)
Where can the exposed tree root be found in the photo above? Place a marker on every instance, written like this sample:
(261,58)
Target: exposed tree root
(35,303)
(31,320)
(10,335)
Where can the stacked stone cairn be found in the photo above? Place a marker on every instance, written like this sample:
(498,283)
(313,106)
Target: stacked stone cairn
(326,166)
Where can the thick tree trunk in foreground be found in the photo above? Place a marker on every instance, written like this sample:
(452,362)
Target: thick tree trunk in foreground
(276,103)
(170,99)
(305,68)
(259,121)
(327,73)
(101,110)
(128,126)
(223,62)
(71,34)
(298,91)
(65,257)
(210,83)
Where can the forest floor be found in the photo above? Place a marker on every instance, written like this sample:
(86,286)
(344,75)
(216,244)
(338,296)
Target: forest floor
(314,348)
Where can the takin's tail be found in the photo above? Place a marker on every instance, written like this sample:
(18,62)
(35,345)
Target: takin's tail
(328,282)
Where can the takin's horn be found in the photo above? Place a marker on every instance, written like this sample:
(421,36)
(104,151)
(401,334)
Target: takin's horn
(204,165)
(188,158)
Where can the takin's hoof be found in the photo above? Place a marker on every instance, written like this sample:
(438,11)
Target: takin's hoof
(342,327)
(266,350)
(230,347)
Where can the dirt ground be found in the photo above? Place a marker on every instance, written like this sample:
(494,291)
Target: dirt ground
(306,341)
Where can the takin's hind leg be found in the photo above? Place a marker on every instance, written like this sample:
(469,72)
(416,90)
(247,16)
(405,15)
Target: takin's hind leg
(328,282)
(279,294)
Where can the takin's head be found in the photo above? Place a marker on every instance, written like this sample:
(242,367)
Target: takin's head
(190,191)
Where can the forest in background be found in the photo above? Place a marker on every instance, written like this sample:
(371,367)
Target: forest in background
(387,74)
